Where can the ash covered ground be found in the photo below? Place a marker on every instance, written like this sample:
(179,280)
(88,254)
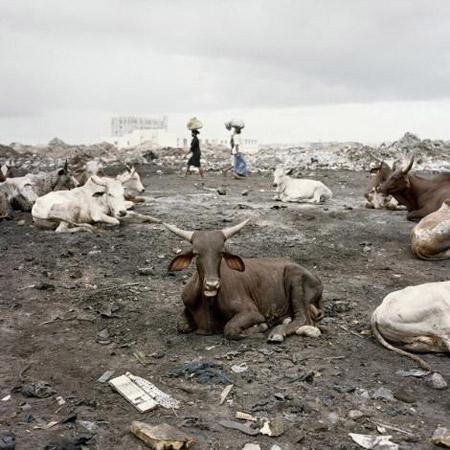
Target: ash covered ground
(58,291)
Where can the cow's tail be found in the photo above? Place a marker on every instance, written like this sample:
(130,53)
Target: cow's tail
(386,344)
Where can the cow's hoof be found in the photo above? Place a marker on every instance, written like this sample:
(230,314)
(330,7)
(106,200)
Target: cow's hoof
(275,338)
(308,330)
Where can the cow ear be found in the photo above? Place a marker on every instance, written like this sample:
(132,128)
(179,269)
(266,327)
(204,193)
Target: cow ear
(234,262)
(181,261)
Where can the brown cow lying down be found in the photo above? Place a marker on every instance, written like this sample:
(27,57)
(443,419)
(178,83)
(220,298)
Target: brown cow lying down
(430,238)
(420,194)
(240,297)
(417,318)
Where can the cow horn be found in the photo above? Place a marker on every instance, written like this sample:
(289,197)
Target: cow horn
(231,231)
(179,232)
(408,167)
(378,160)
(98,181)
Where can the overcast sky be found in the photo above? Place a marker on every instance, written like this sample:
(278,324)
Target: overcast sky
(294,70)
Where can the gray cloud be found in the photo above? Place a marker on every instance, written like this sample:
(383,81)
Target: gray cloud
(156,56)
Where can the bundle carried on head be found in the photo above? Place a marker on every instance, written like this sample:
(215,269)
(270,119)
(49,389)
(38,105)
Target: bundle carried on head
(194,124)
(234,123)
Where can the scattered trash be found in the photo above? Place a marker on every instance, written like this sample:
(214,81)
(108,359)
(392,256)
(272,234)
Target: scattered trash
(355,414)
(232,424)
(161,437)
(251,447)
(109,310)
(40,389)
(206,372)
(103,337)
(60,401)
(88,425)
(436,381)
(374,442)
(106,376)
(43,286)
(7,441)
(75,443)
(275,447)
(383,393)
(239,368)
(146,271)
(405,395)
(225,393)
(142,394)
(419,373)
(245,416)
(441,436)
(6,398)
(273,427)
(46,426)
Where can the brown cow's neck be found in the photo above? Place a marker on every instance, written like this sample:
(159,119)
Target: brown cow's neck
(409,195)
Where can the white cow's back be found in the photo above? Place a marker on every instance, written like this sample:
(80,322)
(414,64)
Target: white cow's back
(414,311)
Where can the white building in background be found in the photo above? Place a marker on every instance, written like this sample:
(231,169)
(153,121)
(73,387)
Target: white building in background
(131,131)
(127,124)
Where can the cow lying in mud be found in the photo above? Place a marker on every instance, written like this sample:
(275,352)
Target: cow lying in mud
(420,194)
(375,199)
(299,190)
(130,179)
(100,200)
(417,318)
(430,238)
(22,192)
(240,297)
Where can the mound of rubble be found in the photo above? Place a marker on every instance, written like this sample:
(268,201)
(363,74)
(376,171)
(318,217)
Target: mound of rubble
(429,155)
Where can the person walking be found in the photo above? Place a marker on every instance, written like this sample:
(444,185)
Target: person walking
(194,160)
(238,164)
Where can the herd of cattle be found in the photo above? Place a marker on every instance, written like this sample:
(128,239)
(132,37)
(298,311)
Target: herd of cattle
(240,297)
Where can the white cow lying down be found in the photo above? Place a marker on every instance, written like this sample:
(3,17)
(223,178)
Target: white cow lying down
(99,200)
(299,189)
(430,238)
(417,318)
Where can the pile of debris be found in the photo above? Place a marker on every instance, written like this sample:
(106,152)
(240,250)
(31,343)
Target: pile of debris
(429,155)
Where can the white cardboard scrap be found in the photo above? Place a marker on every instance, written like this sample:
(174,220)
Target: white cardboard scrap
(142,394)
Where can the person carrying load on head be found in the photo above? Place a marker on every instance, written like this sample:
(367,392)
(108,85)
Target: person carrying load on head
(238,164)
(194,161)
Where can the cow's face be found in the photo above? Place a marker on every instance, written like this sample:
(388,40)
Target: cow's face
(377,176)
(278,174)
(208,247)
(65,179)
(131,181)
(111,195)
(397,181)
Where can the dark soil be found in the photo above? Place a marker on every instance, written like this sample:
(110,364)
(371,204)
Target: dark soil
(57,291)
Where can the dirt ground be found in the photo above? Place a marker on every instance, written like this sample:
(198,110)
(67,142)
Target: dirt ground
(58,291)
